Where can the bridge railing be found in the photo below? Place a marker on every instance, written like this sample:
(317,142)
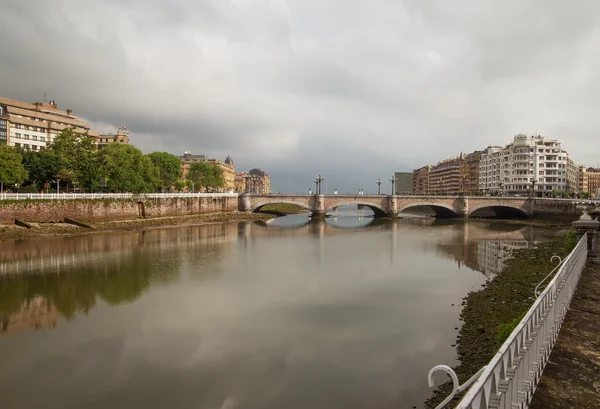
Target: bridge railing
(511,377)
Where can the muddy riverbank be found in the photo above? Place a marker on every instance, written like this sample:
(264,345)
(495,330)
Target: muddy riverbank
(489,315)
(13,232)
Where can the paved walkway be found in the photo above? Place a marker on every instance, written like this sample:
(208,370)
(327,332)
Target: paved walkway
(572,376)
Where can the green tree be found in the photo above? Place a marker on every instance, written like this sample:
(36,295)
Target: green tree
(168,167)
(11,167)
(126,169)
(78,154)
(41,166)
(209,175)
(179,185)
(66,176)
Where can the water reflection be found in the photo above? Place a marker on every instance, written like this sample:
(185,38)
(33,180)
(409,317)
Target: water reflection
(249,315)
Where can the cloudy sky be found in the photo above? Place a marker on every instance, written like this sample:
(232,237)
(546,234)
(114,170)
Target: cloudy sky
(352,89)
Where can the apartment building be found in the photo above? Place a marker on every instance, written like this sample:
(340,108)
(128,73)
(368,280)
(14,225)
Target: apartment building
(421,181)
(589,180)
(404,183)
(258,181)
(455,175)
(528,163)
(33,126)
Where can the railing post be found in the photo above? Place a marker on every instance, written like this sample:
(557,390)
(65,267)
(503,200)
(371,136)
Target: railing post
(585,224)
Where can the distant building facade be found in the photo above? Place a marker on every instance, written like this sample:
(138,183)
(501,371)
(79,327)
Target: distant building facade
(258,181)
(589,180)
(33,126)
(404,183)
(122,137)
(421,181)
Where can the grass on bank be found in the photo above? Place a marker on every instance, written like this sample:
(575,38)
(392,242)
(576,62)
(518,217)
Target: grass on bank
(491,314)
(282,209)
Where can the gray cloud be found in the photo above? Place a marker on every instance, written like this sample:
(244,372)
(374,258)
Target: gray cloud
(350,90)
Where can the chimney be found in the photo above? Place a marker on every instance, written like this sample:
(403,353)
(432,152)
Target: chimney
(69,112)
(52,103)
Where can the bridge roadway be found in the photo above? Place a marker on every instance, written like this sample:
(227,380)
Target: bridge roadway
(443,206)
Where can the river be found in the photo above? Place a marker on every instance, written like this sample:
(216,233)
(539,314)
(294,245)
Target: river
(350,312)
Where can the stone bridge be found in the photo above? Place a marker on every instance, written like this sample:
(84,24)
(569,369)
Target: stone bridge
(443,206)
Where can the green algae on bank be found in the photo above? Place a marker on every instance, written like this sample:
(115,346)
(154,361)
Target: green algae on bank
(489,313)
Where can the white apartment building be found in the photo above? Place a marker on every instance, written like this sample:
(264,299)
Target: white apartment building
(529,162)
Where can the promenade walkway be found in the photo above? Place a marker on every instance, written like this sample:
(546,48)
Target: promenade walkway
(571,378)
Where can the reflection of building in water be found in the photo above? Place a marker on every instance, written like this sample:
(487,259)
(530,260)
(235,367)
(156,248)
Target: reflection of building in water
(492,254)
(38,313)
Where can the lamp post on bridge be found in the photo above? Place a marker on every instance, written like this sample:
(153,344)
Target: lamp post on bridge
(379,182)
(318,181)
(393,180)
(533,182)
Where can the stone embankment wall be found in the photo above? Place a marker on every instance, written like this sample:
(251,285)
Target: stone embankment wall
(550,207)
(92,210)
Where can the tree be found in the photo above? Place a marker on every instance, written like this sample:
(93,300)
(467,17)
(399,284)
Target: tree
(209,175)
(41,166)
(12,170)
(179,185)
(168,167)
(66,176)
(126,169)
(78,153)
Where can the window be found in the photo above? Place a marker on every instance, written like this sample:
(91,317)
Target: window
(34,137)
(17,135)
(42,138)
(26,137)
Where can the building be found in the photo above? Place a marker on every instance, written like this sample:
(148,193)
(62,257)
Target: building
(33,126)
(122,136)
(258,181)
(421,181)
(240,182)
(444,178)
(4,121)
(589,181)
(489,169)
(404,183)
(528,164)
(228,168)
(469,174)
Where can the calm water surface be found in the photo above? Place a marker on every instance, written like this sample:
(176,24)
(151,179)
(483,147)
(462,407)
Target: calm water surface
(347,313)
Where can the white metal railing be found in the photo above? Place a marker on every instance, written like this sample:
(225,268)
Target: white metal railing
(72,196)
(167,195)
(511,377)
(63,196)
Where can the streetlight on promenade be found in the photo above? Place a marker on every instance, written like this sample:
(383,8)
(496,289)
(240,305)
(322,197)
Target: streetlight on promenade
(318,181)
(379,182)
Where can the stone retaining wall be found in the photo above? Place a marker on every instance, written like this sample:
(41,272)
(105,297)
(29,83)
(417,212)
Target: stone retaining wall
(92,210)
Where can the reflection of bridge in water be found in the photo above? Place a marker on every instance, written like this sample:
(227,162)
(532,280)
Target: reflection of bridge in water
(38,275)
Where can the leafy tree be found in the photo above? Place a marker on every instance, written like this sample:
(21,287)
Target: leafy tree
(78,153)
(42,166)
(11,167)
(67,176)
(127,169)
(179,185)
(206,174)
(168,166)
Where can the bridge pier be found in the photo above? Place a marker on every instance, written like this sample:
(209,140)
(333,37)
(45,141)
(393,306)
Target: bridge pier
(244,204)
(318,207)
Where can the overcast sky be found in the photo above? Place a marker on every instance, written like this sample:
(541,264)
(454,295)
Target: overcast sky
(354,90)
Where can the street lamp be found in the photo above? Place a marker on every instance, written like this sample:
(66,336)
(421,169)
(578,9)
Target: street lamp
(501,184)
(379,182)
(318,181)
(393,180)
(533,182)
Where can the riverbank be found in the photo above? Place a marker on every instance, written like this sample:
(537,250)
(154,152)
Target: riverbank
(13,232)
(489,315)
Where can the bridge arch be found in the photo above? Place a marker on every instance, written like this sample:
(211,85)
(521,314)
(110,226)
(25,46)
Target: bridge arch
(258,206)
(499,211)
(376,209)
(440,210)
